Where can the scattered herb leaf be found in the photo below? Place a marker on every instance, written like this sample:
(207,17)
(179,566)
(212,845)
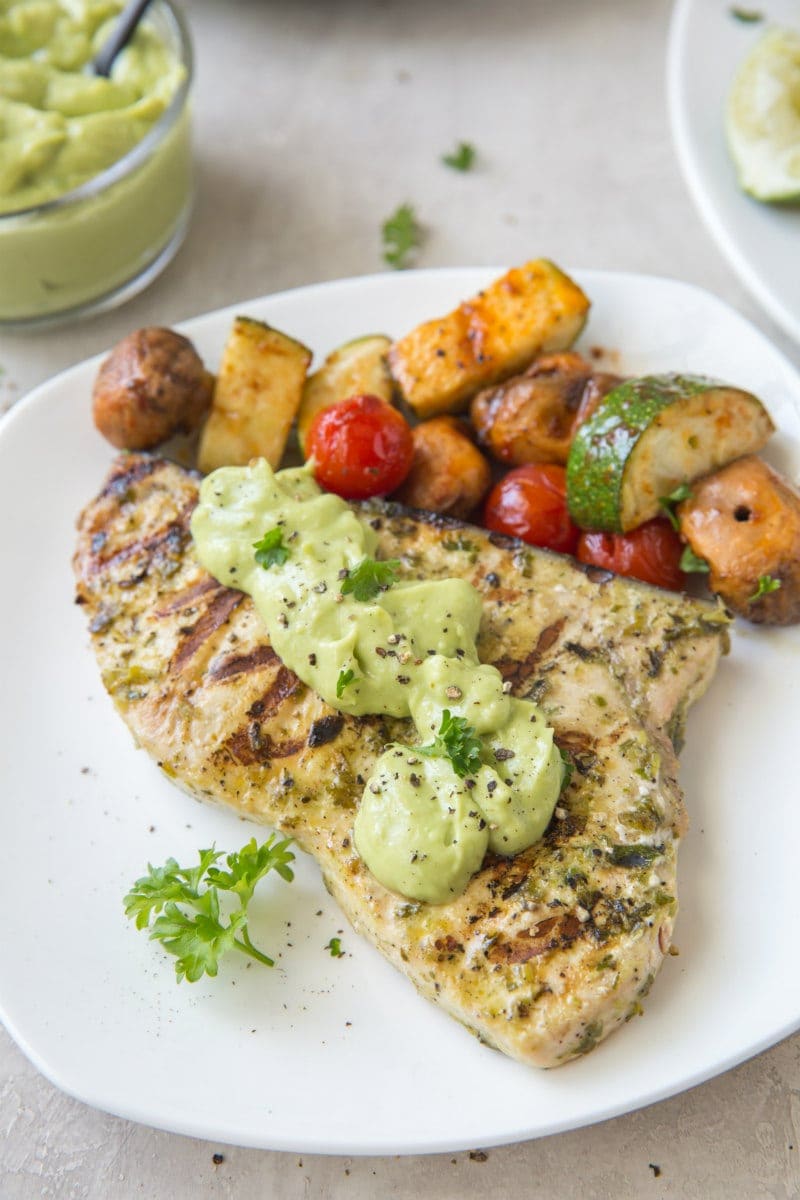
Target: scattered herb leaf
(369,577)
(692,564)
(462,158)
(457,741)
(402,235)
(335,947)
(199,938)
(270,551)
(766,584)
(682,492)
(344,680)
(748,16)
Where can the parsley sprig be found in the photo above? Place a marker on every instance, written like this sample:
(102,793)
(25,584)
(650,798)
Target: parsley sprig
(402,235)
(462,158)
(457,741)
(766,584)
(681,492)
(369,577)
(270,550)
(200,937)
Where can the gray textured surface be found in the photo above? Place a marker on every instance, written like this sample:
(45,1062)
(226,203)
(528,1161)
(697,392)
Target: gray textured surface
(314,120)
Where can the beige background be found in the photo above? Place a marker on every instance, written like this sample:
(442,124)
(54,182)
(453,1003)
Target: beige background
(314,121)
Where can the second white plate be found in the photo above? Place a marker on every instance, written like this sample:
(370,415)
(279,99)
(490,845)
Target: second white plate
(761,241)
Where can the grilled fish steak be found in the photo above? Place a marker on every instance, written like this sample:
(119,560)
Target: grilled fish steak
(544,954)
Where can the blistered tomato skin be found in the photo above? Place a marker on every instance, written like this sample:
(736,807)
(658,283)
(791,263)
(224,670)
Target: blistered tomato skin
(651,553)
(361,447)
(530,502)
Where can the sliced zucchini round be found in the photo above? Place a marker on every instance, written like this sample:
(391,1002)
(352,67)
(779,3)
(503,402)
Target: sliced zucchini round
(648,436)
(356,368)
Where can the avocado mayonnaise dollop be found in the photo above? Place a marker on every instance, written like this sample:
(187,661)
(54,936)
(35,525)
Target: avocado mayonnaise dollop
(60,125)
(369,641)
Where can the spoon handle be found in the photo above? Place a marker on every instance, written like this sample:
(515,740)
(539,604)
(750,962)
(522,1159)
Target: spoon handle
(123,30)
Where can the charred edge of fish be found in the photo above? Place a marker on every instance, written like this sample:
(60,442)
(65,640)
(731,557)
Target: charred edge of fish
(516,671)
(325,730)
(127,470)
(553,933)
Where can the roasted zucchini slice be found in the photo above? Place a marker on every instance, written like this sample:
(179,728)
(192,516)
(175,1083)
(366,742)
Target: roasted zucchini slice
(530,310)
(258,393)
(648,436)
(356,368)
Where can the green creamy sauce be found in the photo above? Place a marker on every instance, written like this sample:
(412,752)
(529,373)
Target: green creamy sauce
(60,126)
(409,652)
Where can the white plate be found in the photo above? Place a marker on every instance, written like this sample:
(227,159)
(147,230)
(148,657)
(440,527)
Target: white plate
(341,1055)
(761,241)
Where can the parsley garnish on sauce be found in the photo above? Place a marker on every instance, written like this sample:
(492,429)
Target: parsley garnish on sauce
(270,550)
(766,584)
(369,577)
(682,492)
(200,936)
(344,680)
(402,235)
(335,947)
(462,158)
(457,741)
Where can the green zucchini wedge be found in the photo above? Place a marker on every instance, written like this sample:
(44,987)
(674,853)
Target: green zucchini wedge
(650,435)
(357,368)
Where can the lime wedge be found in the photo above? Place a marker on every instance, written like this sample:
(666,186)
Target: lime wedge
(763,118)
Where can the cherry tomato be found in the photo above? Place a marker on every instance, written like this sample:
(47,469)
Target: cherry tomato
(361,447)
(530,502)
(652,553)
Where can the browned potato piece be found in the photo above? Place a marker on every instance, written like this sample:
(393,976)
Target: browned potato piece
(532,417)
(449,474)
(152,385)
(745,522)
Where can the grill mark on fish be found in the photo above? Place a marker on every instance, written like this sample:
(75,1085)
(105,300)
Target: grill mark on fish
(553,933)
(252,745)
(173,538)
(517,671)
(242,664)
(187,598)
(217,613)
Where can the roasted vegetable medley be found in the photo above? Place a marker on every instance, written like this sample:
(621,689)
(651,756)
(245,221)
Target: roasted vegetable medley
(487,414)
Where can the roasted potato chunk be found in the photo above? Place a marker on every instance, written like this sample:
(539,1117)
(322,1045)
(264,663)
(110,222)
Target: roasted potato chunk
(530,310)
(448,473)
(531,418)
(152,385)
(258,393)
(744,521)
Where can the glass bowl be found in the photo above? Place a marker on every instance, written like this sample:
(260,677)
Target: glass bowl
(100,244)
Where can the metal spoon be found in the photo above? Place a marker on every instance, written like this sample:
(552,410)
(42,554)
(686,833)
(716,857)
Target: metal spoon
(123,31)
